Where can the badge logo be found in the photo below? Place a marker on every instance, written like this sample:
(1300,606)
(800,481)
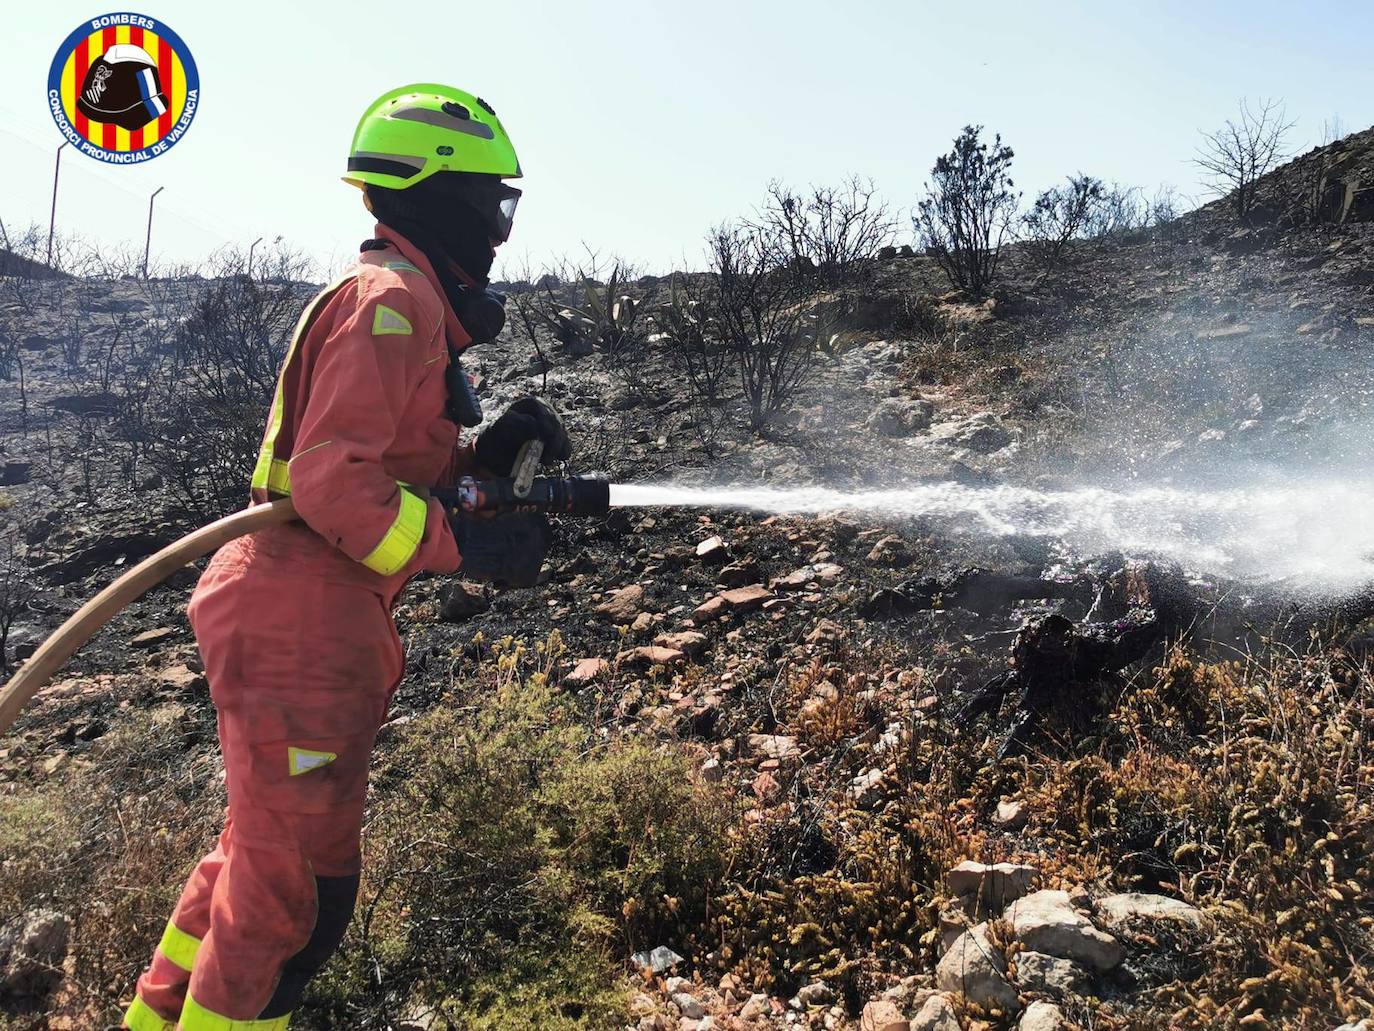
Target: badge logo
(123,88)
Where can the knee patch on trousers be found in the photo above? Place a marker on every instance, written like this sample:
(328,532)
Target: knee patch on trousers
(337,897)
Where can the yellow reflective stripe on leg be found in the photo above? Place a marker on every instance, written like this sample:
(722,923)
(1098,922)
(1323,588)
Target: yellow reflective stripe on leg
(403,539)
(179,947)
(195,1017)
(142,1017)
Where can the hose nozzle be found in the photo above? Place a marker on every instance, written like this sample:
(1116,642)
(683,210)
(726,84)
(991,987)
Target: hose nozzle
(570,495)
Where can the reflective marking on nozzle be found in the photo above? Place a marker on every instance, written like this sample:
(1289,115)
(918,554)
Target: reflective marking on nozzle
(303,760)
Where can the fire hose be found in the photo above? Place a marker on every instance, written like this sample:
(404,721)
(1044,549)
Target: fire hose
(573,496)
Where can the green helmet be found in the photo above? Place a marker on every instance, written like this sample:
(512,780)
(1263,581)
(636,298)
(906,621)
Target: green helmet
(409,134)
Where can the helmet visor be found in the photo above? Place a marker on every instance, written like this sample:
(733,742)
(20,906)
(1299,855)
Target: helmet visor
(506,203)
(487,196)
(495,202)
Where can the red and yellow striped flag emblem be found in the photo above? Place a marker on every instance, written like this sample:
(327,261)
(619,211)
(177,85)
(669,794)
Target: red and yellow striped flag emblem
(170,70)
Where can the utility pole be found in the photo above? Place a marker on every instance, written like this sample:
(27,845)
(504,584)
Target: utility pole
(52,217)
(250,255)
(148,240)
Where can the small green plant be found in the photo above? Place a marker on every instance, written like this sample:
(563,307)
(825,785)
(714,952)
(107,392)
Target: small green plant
(516,859)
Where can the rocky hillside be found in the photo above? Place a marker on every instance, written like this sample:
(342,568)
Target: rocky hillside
(731,770)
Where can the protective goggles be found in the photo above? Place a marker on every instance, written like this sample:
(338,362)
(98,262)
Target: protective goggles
(495,202)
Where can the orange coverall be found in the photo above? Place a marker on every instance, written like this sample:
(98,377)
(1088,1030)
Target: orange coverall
(294,624)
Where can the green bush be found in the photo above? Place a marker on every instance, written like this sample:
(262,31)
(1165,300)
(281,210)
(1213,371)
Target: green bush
(515,858)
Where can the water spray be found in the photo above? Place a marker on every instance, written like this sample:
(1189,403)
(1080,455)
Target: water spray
(1318,536)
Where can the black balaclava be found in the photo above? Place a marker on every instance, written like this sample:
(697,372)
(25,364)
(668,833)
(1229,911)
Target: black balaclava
(450,232)
(434,216)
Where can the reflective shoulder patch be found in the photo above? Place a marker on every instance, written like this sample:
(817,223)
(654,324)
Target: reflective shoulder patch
(389,322)
(401,265)
(303,760)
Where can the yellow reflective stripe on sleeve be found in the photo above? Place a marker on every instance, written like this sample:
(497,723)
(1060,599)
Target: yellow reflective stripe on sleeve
(195,1017)
(262,471)
(277,478)
(142,1017)
(179,947)
(403,539)
(277,475)
(266,455)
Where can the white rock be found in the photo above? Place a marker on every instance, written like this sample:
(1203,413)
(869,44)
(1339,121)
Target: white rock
(1011,814)
(33,946)
(756,1007)
(936,1015)
(1043,973)
(688,1006)
(977,970)
(1042,1016)
(982,433)
(713,549)
(1045,921)
(773,746)
(900,416)
(995,885)
(1135,905)
(660,959)
(816,994)
(880,1014)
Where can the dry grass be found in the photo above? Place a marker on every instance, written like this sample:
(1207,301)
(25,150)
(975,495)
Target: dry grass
(1242,787)
(110,845)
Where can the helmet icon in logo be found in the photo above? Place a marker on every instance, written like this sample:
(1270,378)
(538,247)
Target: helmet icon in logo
(122,88)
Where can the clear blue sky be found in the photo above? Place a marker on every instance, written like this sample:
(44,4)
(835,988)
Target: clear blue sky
(641,124)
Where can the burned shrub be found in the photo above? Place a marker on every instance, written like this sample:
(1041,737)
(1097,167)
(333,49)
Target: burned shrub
(199,410)
(696,349)
(968,210)
(1235,157)
(832,232)
(1060,214)
(17,588)
(759,307)
(1321,193)
(587,308)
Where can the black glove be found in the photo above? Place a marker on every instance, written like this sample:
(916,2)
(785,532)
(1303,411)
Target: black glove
(527,419)
(505,549)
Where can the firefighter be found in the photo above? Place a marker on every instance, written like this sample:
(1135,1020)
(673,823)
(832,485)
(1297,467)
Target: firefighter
(294,622)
